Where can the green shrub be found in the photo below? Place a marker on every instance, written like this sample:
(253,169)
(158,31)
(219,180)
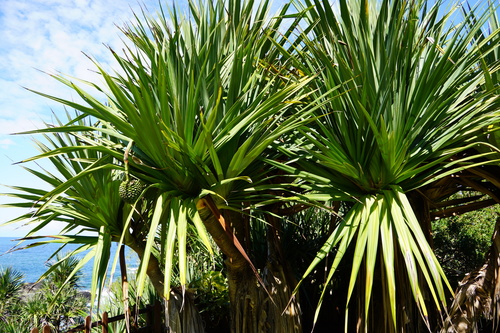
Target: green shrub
(461,242)
(52,303)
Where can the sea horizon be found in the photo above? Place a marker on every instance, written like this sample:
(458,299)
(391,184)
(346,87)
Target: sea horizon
(32,262)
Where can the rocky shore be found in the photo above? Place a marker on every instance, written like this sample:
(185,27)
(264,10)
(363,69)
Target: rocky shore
(32,288)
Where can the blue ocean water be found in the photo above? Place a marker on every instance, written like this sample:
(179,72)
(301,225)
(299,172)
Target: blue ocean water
(32,262)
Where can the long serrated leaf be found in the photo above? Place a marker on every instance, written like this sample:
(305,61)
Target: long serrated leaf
(153,229)
(181,222)
(169,254)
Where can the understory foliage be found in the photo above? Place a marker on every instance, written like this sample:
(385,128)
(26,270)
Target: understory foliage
(310,149)
(49,302)
(462,242)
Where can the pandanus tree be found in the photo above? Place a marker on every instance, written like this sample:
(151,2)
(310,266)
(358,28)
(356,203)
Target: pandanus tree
(192,110)
(403,106)
(226,116)
(475,297)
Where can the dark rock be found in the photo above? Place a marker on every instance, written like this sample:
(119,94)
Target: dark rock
(85,294)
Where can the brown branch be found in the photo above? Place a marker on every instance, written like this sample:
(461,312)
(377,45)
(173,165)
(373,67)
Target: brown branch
(123,271)
(480,186)
(238,262)
(153,269)
(456,202)
(219,232)
(227,228)
(459,210)
(481,172)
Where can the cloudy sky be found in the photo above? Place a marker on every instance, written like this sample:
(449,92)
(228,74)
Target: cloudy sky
(48,36)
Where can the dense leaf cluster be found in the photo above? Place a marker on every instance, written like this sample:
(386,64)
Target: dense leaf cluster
(373,112)
(49,302)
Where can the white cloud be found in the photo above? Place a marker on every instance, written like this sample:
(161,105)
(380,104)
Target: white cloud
(6,143)
(19,124)
(48,36)
(51,37)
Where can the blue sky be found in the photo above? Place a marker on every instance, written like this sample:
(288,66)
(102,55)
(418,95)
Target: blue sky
(49,36)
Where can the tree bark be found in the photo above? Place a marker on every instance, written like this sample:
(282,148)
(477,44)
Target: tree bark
(273,311)
(153,269)
(259,303)
(215,224)
(478,294)
(183,317)
(181,313)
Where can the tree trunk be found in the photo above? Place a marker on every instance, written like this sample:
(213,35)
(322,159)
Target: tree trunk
(478,294)
(180,311)
(421,207)
(272,309)
(183,317)
(265,305)
(409,318)
(259,302)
